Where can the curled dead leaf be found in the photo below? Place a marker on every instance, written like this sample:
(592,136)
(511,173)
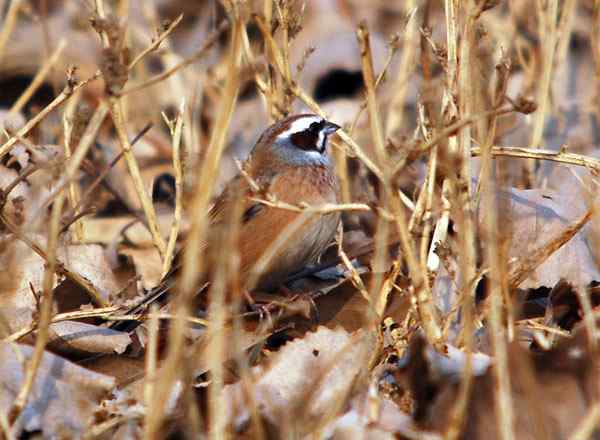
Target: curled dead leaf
(307,380)
(72,337)
(62,399)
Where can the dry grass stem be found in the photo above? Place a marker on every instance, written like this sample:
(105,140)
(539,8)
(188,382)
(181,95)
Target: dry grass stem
(497,293)
(101,312)
(498,290)
(355,278)
(193,258)
(275,246)
(66,93)
(45,311)
(74,162)
(175,86)
(116,111)
(225,278)
(96,431)
(407,63)
(595,38)
(5,427)
(588,425)
(422,295)
(536,257)
(201,53)
(134,171)
(449,133)
(460,22)
(379,290)
(156,42)
(304,207)
(61,269)
(372,108)
(392,51)
(547,14)
(8,26)
(176,132)
(561,156)
(169,316)
(73,194)
(39,77)
(422,212)
(151,366)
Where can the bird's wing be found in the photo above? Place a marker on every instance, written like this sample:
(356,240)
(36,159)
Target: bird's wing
(252,240)
(262,225)
(240,190)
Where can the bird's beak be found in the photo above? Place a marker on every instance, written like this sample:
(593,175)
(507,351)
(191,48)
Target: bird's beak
(330,128)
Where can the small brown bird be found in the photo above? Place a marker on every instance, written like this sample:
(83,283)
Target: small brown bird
(289,161)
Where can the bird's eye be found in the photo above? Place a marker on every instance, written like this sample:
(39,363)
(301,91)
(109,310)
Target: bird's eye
(316,127)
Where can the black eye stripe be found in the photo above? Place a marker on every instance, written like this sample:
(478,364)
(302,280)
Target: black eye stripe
(308,138)
(305,140)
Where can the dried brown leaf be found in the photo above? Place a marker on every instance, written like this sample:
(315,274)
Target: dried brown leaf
(539,381)
(537,216)
(306,379)
(147,263)
(26,270)
(62,400)
(360,422)
(72,337)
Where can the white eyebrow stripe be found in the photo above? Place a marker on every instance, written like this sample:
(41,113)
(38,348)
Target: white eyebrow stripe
(299,125)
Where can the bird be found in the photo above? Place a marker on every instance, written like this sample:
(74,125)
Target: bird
(290,162)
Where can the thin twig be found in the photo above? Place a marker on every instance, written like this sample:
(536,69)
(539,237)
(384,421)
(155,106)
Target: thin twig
(68,118)
(45,312)
(420,292)
(150,365)
(534,153)
(177,166)
(74,162)
(381,256)
(588,425)
(116,112)
(201,53)
(152,47)
(406,68)
(548,33)
(61,269)
(159,315)
(193,258)
(101,312)
(8,25)
(303,207)
(460,22)
(450,132)
(98,180)
(56,102)
(39,77)
(536,257)
(311,103)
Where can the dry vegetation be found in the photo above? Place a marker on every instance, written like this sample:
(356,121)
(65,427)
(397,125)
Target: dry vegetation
(460,298)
